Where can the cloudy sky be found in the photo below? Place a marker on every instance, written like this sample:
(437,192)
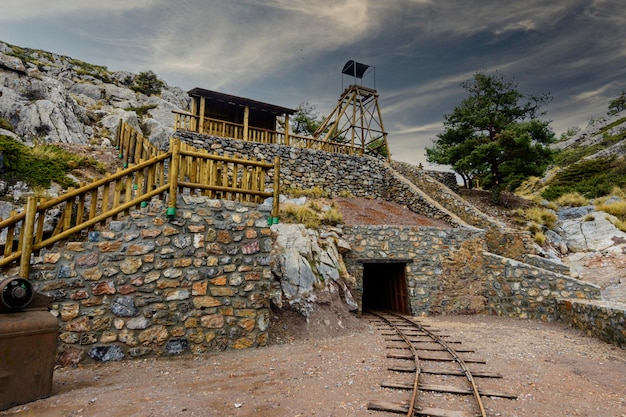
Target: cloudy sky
(286,52)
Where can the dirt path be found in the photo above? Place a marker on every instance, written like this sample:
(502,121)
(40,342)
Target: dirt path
(555,370)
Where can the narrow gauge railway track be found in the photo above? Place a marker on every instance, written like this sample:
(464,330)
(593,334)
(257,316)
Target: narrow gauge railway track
(409,341)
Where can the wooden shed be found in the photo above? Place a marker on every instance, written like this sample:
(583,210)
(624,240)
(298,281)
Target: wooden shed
(219,114)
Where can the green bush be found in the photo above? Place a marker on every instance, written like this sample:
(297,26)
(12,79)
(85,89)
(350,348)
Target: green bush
(591,178)
(40,165)
(6,124)
(147,83)
(141,111)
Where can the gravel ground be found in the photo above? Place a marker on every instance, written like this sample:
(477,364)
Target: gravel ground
(555,371)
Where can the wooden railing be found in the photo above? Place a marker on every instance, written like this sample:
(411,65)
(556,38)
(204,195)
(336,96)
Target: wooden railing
(215,127)
(188,170)
(81,209)
(224,177)
(132,145)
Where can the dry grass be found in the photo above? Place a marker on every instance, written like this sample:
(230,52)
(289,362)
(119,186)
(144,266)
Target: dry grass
(589,218)
(620,224)
(315,192)
(541,216)
(540,238)
(312,215)
(617,209)
(614,208)
(291,213)
(332,216)
(571,200)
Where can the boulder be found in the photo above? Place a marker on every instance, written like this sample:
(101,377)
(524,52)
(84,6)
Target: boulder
(305,263)
(593,231)
(11,63)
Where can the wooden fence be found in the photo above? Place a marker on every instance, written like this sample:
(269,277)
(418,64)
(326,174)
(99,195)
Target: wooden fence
(133,146)
(215,127)
(181,169)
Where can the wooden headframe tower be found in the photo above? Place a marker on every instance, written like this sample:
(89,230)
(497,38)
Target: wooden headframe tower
(356,120)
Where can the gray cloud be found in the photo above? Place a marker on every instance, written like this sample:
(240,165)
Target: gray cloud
(290,51)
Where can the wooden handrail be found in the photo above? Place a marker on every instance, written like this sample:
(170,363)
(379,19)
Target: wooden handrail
(104,216)
(220,176)
(183,122)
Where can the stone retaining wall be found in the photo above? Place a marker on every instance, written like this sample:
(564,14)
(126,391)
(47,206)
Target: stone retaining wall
(337,174)
(444,277)
(416,174)
(600,319)
(452,274)
(152,285)
(149,285)
(516,289)
(500,239)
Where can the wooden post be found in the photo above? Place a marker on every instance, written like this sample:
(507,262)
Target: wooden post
(275,205)
(382,128)
(8,246)
(287,129)
(120,144)
(193,123)
(201,115)
(174,167)
(40,223)
(120,130)
(130,149)
(26,236)
(246,116)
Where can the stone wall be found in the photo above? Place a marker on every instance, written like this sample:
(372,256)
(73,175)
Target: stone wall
(500,239)
(446,178)
(444,277)
(148,284)
(516,289)
(201,281)
(337,174)
(452,274)
(600,319)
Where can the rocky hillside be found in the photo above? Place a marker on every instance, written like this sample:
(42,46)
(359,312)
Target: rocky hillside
(49,98)
(589,161)
(604,136)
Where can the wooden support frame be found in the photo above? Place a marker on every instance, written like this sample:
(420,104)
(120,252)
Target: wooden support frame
(356,119)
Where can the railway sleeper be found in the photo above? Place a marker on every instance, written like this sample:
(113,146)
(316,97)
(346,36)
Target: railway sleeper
(403,408)
(431,357)
(432,349)
(411,368)
(447,389)
(421,339)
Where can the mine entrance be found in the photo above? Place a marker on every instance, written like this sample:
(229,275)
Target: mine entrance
(384,285)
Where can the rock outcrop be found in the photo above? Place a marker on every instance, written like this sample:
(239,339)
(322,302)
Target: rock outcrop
(309,266)
(583,229)
(49,98)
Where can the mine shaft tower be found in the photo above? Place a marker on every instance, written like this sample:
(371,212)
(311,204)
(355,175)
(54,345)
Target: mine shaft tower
(357,119)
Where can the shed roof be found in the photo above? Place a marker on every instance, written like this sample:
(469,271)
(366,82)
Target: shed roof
(240,101)
(355,69)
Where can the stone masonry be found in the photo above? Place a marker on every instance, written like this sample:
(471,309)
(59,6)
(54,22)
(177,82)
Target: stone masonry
(152,285)
(516,289)
(338,174)
(452,274)
(444,277)
(603,320)
(500,239)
